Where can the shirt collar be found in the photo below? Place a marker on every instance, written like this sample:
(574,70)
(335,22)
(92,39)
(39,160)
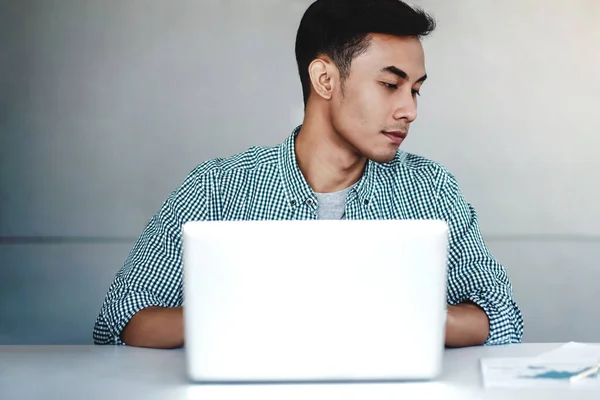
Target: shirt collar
(299,191)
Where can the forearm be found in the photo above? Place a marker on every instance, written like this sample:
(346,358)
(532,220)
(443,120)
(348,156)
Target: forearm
(466,325)
(155,327)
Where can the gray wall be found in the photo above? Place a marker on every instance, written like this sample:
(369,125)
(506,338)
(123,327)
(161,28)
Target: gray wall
(105,106)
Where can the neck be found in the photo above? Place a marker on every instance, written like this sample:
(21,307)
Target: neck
(326,160)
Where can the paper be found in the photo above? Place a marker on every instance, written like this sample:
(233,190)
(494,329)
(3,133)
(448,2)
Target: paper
(570,351)
(551,369)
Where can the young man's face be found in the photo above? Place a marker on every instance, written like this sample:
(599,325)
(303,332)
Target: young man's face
(378,102)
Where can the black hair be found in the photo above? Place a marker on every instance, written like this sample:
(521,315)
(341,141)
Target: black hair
(340,29)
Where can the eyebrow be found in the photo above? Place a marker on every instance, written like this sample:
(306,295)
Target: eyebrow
(397,71)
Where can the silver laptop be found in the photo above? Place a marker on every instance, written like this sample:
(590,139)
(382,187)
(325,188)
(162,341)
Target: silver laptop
(273,301)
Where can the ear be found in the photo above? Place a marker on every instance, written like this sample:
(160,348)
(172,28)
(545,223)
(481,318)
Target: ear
(322,76)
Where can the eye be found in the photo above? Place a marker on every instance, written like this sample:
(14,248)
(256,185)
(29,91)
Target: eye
(390,86)
(416,92)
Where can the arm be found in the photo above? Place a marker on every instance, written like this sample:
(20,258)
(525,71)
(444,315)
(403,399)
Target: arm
(466,325)
(481,305)
(155,327)
(143,306)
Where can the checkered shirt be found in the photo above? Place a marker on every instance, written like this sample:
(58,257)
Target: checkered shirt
(265,183)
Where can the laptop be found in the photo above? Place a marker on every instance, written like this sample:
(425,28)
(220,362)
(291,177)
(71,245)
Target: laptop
(314,301)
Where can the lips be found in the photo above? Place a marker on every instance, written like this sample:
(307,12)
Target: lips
(396,137)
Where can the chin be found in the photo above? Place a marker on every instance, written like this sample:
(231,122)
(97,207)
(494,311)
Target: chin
(382,157)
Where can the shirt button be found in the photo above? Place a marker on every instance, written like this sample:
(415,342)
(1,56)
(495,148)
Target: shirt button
(366,202)
(293,203)
(309,202)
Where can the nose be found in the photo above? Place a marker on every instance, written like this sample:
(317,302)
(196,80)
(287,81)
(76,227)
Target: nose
(406,107)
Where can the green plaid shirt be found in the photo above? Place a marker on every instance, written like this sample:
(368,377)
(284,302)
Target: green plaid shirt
(265,183)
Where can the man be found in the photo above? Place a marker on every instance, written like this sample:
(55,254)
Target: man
(361,65)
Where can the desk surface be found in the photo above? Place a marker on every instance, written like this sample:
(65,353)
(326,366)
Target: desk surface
(120,372)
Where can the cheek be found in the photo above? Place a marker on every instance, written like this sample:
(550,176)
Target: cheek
(359,113)
(375,105)
(350,118)
(359,108)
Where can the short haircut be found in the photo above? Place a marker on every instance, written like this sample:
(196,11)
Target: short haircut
(341,29)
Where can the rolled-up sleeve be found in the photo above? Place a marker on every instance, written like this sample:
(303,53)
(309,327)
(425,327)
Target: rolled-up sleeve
(152,272)
(473,272)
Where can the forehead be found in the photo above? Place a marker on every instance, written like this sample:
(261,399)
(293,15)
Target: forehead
(404,52)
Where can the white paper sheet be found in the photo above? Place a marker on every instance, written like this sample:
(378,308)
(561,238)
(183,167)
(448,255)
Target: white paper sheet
(572,350)
(550,369)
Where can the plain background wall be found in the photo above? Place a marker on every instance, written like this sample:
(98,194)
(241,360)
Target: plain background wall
(105,106)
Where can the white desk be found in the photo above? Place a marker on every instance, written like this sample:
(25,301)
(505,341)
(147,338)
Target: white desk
(94,372)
